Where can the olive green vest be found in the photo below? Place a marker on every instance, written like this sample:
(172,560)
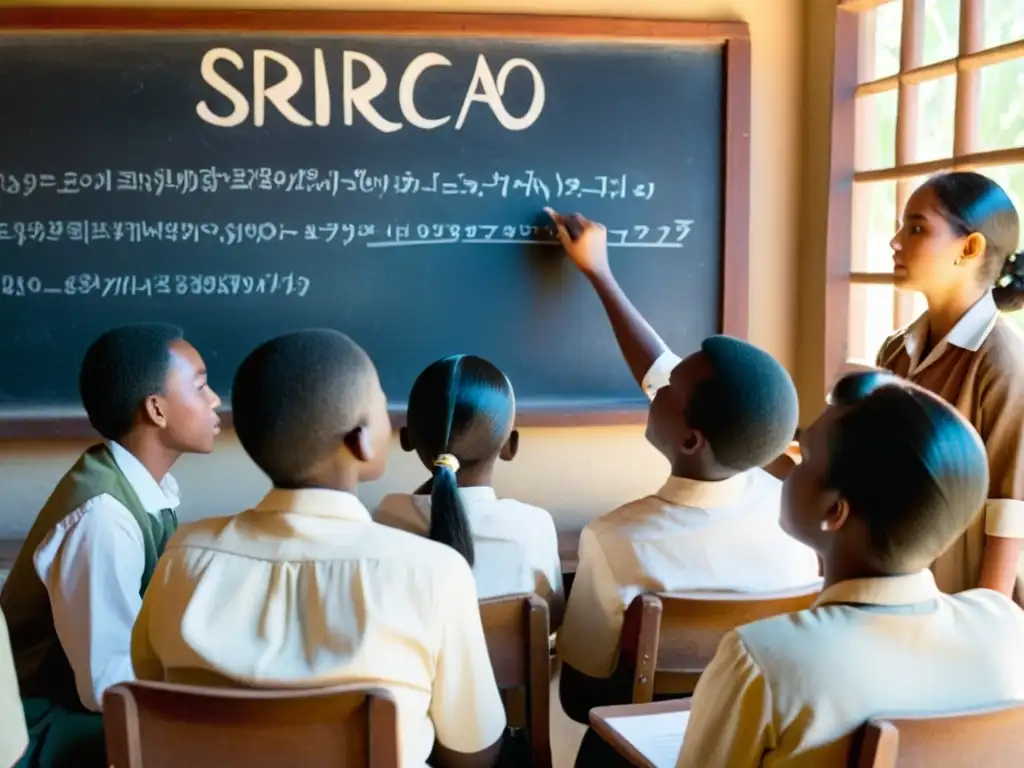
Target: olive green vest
(42,666)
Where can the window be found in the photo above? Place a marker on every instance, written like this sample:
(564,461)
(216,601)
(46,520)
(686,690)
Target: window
(940,86)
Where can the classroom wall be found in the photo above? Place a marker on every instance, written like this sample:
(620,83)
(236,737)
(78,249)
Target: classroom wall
(575,473)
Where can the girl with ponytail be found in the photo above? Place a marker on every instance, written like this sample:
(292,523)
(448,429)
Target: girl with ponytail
(958,246)
(460,421)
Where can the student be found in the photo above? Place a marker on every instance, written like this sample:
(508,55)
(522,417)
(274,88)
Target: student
(890,476)
(305,590)
(460,421)
(717,416)
(956,246)
(76,586)
(13,733)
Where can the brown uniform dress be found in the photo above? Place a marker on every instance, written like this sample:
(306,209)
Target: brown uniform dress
(978,368)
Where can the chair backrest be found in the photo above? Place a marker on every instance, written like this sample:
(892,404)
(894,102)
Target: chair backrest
(516,630)
(164,725)
(993,738)
(670,639)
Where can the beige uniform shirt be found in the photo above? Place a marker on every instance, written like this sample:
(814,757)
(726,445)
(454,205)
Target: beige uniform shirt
(305,590)
(978,368)
(691,536)
(515,544)
(13,735)
(790,691)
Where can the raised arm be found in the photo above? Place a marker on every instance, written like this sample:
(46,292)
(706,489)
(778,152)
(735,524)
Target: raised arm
(586,243)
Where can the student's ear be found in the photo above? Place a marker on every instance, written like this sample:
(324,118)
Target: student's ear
(974,246)
(511,446)
(692,442)
(360,444)
(836,516)
(153,408)
(405,440)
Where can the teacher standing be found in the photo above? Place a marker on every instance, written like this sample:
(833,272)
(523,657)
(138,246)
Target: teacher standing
(957,246)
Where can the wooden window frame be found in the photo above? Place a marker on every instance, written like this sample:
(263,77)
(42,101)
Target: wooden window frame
(853,44)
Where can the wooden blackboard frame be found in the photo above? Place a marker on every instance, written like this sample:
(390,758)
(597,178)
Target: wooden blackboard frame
(734,37)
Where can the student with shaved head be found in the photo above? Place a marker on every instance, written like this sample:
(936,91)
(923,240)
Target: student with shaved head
(717,416)
(305,590)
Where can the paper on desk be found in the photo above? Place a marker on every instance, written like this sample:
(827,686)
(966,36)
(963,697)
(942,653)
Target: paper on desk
(657,737)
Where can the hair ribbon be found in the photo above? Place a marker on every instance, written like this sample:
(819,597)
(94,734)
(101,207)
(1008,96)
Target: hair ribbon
(448,461)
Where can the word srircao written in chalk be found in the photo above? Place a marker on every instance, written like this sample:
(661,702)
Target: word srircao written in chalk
(363,79)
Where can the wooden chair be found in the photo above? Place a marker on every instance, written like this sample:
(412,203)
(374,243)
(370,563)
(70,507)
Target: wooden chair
(993,738)
(516,630)
(668,640)
(163,725)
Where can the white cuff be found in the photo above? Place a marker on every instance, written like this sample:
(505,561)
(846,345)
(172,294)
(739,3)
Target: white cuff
(1004,518)
(659,373)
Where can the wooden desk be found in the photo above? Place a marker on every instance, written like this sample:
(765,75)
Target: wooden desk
(599,717)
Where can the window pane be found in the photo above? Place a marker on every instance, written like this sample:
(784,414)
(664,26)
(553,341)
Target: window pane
(875,131)
(874,224)
(1001,107)
(881,33)
(871,320)
(936,108)
(941,30)
(1004,21)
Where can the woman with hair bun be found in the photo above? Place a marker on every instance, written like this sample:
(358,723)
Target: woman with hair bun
(958,247)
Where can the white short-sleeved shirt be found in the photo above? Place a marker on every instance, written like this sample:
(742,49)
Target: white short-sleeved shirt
(790,691)
(91,564)
(13,733)
(306,591)
(516,544)
(691,536)
(660,373)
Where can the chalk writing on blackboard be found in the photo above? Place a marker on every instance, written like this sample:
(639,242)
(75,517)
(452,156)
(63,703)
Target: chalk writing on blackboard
(165,181)
(28,233)
(357,97)
(122,286)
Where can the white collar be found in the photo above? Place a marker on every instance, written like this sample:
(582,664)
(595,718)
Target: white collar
(153,496)
(471,496)
(703,494)
(910,589)
(478,493)
(969,333)
(316,502)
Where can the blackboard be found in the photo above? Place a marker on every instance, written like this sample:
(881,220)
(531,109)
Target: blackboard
(390,184)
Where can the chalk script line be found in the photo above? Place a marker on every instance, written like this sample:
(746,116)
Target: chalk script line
(501,241)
